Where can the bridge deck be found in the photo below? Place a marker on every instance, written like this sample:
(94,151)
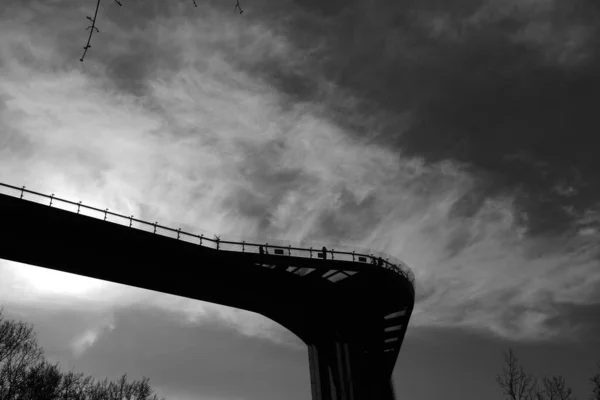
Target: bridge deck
(337,299)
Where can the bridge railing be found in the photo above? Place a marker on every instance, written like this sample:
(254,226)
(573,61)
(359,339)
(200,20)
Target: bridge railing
(273,247)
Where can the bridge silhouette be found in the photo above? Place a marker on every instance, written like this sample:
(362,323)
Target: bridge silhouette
(350,308)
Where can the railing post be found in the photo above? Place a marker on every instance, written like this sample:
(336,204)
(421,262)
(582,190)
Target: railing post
(78,207)
(155,223)
(130,221)
(243,246)
(289,250)
(105,213)
(51,198)
(353,255)
(22,191)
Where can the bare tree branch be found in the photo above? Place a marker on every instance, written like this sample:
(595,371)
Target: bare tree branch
(93,27)
(19,352)
(517,384)
(237,6)
(555,388)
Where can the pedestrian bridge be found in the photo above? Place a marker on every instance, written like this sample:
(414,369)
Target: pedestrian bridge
(350,307)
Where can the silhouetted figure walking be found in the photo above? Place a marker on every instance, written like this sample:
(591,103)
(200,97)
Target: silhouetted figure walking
(261,250)
(324,253)
(380,262)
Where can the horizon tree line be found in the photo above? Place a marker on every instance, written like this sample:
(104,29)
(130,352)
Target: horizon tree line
(518,384)
(25,374)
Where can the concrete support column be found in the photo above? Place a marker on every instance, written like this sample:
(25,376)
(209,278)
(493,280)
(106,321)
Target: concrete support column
(339,372)
(320,375)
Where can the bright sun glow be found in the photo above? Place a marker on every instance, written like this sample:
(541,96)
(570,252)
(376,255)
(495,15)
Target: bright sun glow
(47,281)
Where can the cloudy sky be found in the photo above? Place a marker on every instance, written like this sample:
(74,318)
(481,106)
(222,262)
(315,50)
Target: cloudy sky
(456,135)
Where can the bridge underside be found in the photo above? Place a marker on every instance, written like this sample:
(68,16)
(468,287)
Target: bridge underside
(352,316)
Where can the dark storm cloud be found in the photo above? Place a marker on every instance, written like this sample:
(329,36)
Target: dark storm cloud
(508,89)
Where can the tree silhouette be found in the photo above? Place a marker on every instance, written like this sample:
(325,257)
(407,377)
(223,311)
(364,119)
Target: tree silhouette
(26,375)
(555,389)
(41,381)
(516,383)
(19,352)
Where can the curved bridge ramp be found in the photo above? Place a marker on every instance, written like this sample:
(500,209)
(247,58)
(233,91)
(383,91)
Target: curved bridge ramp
(351,309)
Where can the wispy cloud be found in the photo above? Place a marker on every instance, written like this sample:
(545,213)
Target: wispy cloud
(197,134)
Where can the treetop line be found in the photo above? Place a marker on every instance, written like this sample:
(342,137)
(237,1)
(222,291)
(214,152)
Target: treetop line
(93,27)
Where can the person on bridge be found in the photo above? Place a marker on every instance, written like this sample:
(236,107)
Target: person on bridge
(261,250)
(324,253)
(380,262)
